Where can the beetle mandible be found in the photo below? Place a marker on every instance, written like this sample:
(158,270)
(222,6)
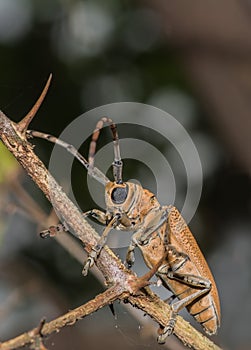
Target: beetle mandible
(158,231)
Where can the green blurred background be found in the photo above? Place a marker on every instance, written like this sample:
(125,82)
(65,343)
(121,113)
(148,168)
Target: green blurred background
(191,59)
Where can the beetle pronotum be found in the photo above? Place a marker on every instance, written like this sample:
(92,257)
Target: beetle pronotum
(159,232)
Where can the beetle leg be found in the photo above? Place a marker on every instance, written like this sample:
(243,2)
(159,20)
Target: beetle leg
(175,260)
(52,231)
(191,280)
(152,222)
(175,308)
(97,214)
(170,299)
(130,258)
(164,332)
(98,247)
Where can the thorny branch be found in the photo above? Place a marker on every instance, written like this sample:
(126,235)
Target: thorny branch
(125,284)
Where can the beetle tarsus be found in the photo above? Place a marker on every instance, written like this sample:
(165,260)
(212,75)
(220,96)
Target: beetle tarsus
(130,260)
(52,231)
(88,264)
(45,234)
(168,330)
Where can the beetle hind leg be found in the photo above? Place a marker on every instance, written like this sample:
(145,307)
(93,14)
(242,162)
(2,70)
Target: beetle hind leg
(204,286)
(164,332)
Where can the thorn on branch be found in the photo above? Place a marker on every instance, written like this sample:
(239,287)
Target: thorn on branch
(40,327)
(37,341)
(143,281)
(23,125)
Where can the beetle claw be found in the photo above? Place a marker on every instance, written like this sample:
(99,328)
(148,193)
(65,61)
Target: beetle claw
(129,259)
(168,330)
(88,264)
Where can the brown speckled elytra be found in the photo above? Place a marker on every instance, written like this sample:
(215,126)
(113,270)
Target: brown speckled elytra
(159,232)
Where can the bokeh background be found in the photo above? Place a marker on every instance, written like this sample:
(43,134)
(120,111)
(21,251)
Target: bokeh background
(193,60)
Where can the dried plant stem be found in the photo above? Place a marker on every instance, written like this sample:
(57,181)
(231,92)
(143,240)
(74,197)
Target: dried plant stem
(67,319)
(126,284)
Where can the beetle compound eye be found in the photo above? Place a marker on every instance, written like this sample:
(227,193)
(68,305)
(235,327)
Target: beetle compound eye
(119,195)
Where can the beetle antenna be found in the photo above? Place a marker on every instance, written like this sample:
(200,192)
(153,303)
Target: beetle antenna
(96,173)
(117,163)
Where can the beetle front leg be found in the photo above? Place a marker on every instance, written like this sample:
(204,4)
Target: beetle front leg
(98,247)
(130,258)
(97,214)
(52,231)
(153,221)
